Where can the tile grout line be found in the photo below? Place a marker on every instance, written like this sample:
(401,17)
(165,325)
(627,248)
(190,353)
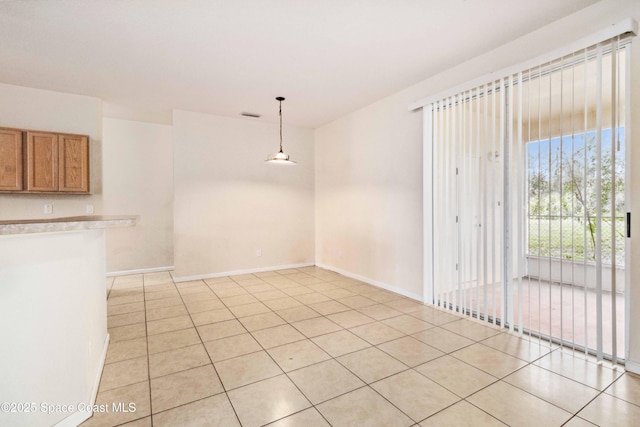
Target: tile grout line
(325,316)
(224,389)
(307,338)
(600,393)
(365,383)
(287,373)
(283,373)
(140,382)
(371,345)
(315,406)
(144,294)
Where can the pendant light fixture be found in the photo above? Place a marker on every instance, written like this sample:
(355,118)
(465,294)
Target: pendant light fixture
(280,157)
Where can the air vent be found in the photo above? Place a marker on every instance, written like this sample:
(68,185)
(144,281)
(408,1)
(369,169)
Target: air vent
(254,115)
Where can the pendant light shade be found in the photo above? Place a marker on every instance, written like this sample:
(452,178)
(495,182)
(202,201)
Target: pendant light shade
(280,157)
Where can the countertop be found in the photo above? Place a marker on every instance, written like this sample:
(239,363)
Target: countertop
(46,225)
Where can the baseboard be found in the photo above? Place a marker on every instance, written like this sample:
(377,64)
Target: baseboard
(233,273)
(75,419)
(633,367)
(385,286)
(139,271)
(79,417)
(271,268)
(103,359)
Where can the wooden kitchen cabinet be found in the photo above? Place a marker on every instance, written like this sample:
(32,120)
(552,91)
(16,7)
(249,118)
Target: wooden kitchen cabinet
(11,177)
(43,162)
(73,162)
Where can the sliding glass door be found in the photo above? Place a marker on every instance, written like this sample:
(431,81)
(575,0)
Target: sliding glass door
(528,192)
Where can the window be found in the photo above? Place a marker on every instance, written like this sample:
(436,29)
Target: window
(561,193)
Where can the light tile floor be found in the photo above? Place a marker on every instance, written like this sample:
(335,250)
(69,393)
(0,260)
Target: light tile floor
(564,312)
(310,347)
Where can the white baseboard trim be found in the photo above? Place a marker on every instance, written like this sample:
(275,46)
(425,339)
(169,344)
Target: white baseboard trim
(103,358)
(633,367)
(385,286)
(75,419)
(247,271)
(79,417)
(139,271)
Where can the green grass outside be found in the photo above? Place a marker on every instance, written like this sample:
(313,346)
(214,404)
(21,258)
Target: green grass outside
(564,238)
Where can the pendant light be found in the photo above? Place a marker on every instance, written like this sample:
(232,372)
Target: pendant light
(280,157)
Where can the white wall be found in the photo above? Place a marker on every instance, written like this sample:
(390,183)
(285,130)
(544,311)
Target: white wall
(369,196)
(138,179)
(54,313)
(369,172)
(36,109)
(229,203)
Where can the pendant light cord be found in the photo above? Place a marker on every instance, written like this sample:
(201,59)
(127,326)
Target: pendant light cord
(280,125)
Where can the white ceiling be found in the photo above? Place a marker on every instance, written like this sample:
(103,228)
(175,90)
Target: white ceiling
(327,57)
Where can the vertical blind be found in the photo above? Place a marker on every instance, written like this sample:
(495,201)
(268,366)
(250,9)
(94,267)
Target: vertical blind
(524,202)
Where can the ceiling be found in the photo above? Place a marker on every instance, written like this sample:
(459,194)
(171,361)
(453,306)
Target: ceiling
(327,57)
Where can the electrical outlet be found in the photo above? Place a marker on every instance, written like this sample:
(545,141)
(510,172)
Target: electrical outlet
(89,209)
(48,209)
(339,253)
(258,252)
(397,268)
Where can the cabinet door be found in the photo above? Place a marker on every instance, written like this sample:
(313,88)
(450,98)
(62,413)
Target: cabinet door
(42,161)
(73,157)
(11,178)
